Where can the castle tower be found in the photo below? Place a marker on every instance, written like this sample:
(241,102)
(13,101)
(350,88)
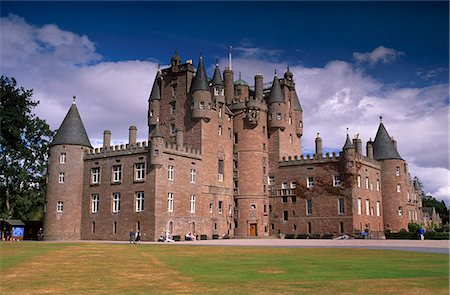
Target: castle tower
(65,179)
(251,154)
(154,102)
(394,180)
(217,87)
(200,94)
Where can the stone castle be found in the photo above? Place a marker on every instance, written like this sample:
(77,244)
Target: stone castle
(223,159)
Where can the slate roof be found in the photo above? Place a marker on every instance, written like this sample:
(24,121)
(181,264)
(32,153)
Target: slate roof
(72,130)
(240,81)
(200,81)
(156,90)
(383,147)
(348,144)
(276,95)
(217,78)
(157,131)
(297,105)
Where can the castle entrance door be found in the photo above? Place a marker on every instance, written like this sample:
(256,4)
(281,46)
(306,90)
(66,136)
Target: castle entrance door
(253,232)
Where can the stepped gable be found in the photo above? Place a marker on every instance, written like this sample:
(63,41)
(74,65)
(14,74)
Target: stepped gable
(156,90)
(383,147)
(72,130)
(217,78)
(276,95)
(200,81)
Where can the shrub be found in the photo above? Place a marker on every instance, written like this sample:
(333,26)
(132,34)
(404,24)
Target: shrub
(303,236)
(176,238)
(413,228)
(203,237)
(290,236)
(432,235)
(327,236)
(215,236)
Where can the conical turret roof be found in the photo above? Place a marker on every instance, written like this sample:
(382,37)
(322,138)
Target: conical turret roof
(200,81)
(383,147)
(296,102)
(71,131)
(156,89)
(217,78)
(157,131)
(276,95)
(348,144)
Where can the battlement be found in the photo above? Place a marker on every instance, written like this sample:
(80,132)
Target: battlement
(116,150)
(182,150)
(309,159)
(368,161)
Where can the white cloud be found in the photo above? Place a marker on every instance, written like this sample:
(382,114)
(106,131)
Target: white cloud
(430,74)
(379,54)
(113,95)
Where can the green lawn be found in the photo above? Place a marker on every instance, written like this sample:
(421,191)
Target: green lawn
(80,268)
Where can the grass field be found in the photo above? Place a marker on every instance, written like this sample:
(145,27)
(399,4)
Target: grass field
(97,268)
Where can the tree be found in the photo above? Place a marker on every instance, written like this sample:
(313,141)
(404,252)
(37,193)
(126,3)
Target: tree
(24,143)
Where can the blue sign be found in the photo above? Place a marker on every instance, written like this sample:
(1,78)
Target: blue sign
(18,231)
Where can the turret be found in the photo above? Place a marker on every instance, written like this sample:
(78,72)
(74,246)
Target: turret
(64,196)
(156,147)
(218,86)
(200,94)
(255,104)
(175,61)
(277,115)
(348,147)
(154,101)
(369,149)
(357,143)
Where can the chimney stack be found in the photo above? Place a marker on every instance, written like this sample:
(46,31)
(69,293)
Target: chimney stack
(369,149)
(357,143)
(259,86)
(179,138)
(318,146)
(106,138)
(132,134)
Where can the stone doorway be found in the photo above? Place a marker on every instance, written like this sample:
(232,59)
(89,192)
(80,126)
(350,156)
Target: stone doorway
(253,230)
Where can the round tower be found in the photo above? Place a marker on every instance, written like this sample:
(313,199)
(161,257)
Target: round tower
(62,220)
(156,158)
(277,106)
(217,87)
(200,94)
(155,100)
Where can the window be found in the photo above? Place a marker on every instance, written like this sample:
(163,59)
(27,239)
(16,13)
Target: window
(279,117)
(309,228)
(310,182)
(115,227)
(219,130)
(285,199)
(285,215)
(271,180)
(359,180)
(61,177)
(264,146)
(62,158)
(400,211)
(341,227)
(170,172)
(309,207)
(378,185)
(117,173)
(371,186)
(219,113)
(341,206)
(229,133)
(151,113)
(116,202)
(173,130)
(359,206)
(378,208)
(290,120)
(172,108)
(235,138)
(291,139)
(192,204)
(399,189)
(284,185)
(210,207)
(397,171)
(294,199)
(60,206)
(367,183)
(220,207)
(174,90)
(139,171)
(95,199)
(202,105)
(336,180)
(220,170)
(170,202)
(367,207)
(192,175)
(95,175)
(139,201)
(216,91)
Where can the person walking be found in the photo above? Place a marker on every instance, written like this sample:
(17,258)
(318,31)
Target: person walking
(132,236)
(138,237)
(422,233)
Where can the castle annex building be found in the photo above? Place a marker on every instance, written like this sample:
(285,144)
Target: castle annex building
(223,158)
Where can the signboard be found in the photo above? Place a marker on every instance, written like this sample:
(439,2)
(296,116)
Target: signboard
(18,231)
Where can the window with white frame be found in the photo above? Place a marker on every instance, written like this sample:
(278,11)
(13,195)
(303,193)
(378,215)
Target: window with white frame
(371,186)
(279,117)
(61,177)
(170,202)
(271,180)
(116,202)
(378,208)
(408,197)
(117,173)
(336,180)
(151,113)
(202,105)
(397,171)
(139,171)
(310,182)
(291,139)
(219,130)
(284,185)
(193,176)
(309,207)
(95,200)
(62,158)
(399,189)
(170,172)
(60,206)
(367,183)
(290,120)
(359,206)
(192,204)
(139,196)
(359,180)
(220,207)
(367,207)
(341,205)
(378,185)
(220,170)
(400,211)
(220,112)
(293,184)
(95,175)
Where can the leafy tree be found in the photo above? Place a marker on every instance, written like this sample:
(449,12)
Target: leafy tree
(441,208)
(24,143)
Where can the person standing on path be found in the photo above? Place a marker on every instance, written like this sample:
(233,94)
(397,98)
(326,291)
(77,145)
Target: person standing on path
(422,233)
(132,236)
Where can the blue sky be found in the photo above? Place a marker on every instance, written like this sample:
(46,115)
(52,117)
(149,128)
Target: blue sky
(352,62)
